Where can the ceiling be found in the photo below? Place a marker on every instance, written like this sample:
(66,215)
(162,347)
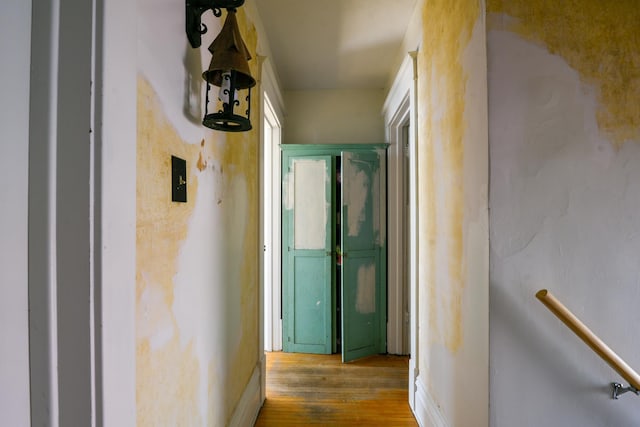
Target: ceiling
(335,44)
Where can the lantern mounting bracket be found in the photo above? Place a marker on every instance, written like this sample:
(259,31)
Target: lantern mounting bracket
(194,10)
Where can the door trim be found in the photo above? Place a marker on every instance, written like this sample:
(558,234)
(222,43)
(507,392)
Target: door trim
(399,108)
(272,111)
(271,223)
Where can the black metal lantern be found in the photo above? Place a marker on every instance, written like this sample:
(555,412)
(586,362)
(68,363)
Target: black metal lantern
(229,67)
(229,70)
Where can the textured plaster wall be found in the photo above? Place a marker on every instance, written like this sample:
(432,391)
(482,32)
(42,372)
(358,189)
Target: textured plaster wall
(334,116)
(565,163)
(197,269)
(452,186)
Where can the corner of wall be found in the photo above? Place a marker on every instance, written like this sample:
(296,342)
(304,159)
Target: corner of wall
(453,214)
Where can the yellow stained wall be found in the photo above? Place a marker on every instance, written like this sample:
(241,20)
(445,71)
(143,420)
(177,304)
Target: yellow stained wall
(166,379)
(442,78)
(599,39)
(168,373)
(585,78)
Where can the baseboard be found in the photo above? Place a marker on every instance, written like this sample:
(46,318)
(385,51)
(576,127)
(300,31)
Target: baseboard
(250,403)
(426,410)
(413,374)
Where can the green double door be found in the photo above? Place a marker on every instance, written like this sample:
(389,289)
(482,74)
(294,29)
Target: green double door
(334,250)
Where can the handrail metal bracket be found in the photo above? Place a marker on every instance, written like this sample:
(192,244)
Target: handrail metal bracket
(595,343)
(617,389)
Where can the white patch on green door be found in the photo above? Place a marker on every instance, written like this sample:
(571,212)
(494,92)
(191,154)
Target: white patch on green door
(287,191)
(366,294)
(356,189)
(310,203)
(379,196)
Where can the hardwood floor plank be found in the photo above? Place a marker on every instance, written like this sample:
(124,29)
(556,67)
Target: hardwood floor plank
(321,390)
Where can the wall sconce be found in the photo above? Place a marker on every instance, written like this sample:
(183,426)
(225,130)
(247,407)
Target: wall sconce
(229,67)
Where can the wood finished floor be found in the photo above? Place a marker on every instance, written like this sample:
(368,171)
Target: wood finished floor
(320,390)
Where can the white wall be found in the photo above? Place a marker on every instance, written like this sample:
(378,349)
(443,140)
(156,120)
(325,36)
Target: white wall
(15,47)
(334,117)
(453,381)
(564,216)
(116,212)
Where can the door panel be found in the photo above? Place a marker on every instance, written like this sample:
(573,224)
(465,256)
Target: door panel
(309,302)
(307,257)
(360,309)
(363,296)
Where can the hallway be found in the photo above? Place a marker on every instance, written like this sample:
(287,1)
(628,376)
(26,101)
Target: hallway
(319,389)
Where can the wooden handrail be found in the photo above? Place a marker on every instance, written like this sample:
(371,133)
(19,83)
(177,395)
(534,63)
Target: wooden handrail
(585,334)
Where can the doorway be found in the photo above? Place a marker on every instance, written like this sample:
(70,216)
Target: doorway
(400,113)
(398,236)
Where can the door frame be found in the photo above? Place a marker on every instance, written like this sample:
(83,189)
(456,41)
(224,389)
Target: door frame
(271,299)
(81,223)
(271,211)
(397,223)
(400,109)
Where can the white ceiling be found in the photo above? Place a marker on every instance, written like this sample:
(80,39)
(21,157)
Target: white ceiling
(335,44)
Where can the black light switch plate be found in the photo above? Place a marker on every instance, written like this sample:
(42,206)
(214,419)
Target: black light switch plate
(178,179)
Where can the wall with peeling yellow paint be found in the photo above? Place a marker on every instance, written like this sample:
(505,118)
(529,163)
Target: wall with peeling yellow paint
(599,40)
(453,235)
(197,284)
(564,121)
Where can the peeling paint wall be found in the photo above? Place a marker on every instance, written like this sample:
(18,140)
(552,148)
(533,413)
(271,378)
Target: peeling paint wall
(197,284)
(564,80)
(600,41)
(453,234)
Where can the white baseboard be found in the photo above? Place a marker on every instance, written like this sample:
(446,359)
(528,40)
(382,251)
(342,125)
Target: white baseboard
(413,374)
(426,410)
(250,403)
